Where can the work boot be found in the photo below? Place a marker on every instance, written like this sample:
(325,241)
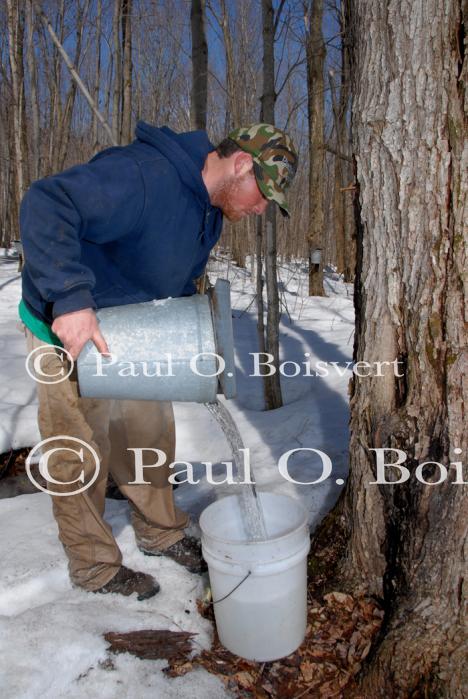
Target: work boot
(187,552)
(128,581)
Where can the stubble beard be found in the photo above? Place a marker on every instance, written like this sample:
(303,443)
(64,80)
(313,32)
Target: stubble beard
(222,198)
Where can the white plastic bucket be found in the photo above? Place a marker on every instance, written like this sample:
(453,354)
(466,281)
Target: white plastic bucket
(259,588)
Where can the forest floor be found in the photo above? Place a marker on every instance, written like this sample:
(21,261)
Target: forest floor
(52,635)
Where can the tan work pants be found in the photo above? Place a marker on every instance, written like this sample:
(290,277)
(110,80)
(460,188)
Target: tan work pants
(110,428)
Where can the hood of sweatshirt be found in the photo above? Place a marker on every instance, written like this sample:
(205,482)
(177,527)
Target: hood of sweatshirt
(186,151)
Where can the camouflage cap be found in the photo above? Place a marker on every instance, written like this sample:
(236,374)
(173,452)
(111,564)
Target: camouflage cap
(274,159)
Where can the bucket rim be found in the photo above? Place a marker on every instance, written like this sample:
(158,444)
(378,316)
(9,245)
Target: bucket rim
(255,542)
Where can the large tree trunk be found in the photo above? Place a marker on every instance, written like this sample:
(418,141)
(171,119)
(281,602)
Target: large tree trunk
(315,51)
(407,542)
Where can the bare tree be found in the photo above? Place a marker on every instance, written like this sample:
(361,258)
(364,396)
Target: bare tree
(33,80)
(76,78)
(343,219)
(315,50)
(406,541)
(240,88)
(67,114)
(15,47)
(126,17)
(117,64)
(97,73)
(199,65)
(272,385)
(74,58)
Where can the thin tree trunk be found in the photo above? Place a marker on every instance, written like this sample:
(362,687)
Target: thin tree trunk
(315,51)
(259,286)
(232,120)
(138,89)
(347,171)
(338,210)
(199,65)
(273,397)
(117,60)
(7,182)
(15,48)
(65,126)
(55,87)
(35,118)
(76,77)
(232,97)
(127,72)
(97,84)
(107,99)
(407,542)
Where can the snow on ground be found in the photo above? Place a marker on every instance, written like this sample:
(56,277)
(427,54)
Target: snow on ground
(51,642)
(17,393)
(51,635)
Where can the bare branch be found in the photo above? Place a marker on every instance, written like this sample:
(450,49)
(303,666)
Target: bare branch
(74,74)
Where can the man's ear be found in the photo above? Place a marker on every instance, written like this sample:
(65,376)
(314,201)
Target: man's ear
(243,163)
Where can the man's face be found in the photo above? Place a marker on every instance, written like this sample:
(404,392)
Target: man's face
(239,196)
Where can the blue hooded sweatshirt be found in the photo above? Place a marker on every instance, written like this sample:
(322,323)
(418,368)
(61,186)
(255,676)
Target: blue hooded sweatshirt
(132,225)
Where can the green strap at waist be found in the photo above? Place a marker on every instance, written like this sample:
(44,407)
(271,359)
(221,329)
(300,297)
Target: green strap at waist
(37,326)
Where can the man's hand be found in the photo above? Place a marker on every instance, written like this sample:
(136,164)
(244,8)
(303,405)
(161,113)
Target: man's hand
(76,328)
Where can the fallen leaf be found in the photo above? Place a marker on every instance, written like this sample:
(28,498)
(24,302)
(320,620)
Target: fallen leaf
(340,598)
(244,679)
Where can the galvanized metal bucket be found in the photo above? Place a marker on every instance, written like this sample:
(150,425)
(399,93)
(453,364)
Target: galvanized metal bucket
(178,349)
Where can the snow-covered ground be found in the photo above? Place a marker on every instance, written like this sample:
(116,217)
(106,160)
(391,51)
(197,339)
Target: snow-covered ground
(51,642)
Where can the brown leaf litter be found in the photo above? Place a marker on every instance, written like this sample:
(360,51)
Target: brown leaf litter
(339,635)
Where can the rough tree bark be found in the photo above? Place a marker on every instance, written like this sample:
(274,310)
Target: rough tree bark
(315,52)
(199,65)
(407,542)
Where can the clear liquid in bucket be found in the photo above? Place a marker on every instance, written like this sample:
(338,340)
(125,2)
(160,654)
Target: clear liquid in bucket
(253,517)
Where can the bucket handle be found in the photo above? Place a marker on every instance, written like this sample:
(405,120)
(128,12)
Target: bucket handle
(217,601)
(259,568)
